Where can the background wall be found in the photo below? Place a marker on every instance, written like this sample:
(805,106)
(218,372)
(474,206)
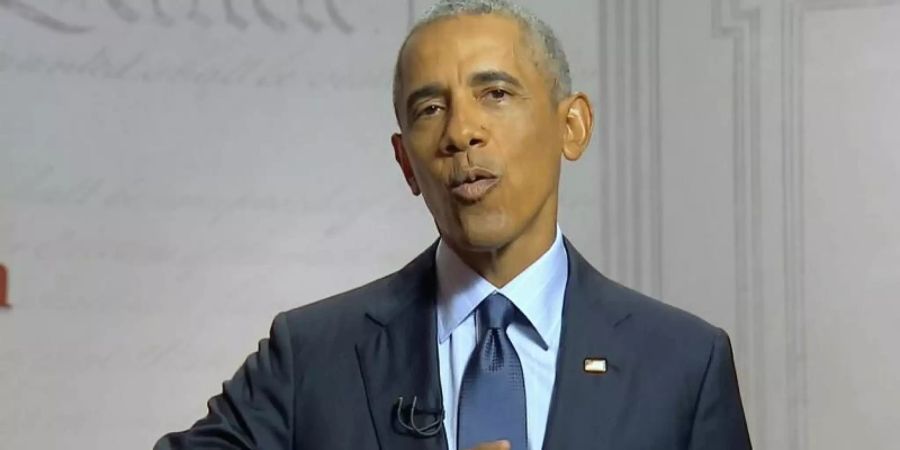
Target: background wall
(174,173)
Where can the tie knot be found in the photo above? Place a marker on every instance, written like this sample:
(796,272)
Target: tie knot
(497,311)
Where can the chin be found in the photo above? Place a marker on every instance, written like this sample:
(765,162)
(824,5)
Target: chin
(485,231)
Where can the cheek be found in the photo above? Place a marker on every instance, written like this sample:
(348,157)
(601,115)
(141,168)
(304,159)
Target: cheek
(425,166)
(533,161)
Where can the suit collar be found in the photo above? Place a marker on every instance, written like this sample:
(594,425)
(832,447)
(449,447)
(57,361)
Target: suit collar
(537,292)
(414,283)
(399,357)
(418,278)
(590,290)
(584,406)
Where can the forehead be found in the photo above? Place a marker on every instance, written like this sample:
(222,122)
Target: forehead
(455,46)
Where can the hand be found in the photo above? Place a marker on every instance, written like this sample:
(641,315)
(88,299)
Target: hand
(496,445)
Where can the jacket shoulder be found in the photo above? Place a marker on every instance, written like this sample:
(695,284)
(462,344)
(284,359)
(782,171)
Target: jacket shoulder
(663,324)
(338,314)
(665,313)
(647,315)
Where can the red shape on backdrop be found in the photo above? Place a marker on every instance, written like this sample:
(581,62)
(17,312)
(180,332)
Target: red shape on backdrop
(3,285)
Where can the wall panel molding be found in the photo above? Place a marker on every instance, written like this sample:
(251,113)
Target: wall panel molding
(793,15)
(741,26)
(630,172)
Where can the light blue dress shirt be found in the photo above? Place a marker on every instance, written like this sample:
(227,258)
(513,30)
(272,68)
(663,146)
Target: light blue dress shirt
(538,293)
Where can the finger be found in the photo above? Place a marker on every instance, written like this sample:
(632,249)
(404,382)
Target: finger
(496,445)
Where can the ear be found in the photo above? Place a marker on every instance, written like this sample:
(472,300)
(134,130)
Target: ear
(578,120)
(403,162)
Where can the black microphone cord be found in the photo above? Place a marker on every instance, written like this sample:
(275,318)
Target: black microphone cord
(409,424)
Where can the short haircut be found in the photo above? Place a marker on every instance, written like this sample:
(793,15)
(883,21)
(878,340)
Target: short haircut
(553,61)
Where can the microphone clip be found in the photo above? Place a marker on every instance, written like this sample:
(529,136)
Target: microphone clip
(406,418)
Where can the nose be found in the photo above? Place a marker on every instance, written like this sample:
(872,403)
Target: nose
(465,130)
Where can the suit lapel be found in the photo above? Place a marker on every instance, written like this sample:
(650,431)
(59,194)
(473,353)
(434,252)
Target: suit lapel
(399,357)
(585,406)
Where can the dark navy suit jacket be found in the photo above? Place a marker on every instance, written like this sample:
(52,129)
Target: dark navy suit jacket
(329,375)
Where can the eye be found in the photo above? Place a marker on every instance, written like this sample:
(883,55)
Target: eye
(497,94)
(428,110)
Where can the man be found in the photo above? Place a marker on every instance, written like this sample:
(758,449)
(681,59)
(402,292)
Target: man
(500,335)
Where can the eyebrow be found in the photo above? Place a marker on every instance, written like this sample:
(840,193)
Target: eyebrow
(493,76)
(478,78)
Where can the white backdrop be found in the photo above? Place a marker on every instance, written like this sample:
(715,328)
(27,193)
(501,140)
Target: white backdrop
(174,173)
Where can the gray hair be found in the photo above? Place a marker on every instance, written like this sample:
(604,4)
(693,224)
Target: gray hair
(554,61)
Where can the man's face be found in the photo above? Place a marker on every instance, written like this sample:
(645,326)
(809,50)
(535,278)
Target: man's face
(482,137)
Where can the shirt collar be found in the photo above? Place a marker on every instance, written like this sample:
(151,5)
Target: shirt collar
(537,292)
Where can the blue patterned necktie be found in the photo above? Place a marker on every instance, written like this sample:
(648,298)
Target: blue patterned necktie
(492,396)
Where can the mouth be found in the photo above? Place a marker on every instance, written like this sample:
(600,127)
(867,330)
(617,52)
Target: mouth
(473,185)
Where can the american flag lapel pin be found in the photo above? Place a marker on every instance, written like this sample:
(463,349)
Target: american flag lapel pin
(595,365)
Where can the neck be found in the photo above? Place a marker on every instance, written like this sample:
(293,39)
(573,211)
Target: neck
(501,265)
